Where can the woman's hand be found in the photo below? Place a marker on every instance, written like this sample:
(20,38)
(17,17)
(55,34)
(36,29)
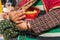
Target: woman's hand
(17,16)
(5,16)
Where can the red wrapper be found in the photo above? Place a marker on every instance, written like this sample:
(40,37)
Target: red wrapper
(33,14)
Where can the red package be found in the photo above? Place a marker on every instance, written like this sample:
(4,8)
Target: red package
(32,13)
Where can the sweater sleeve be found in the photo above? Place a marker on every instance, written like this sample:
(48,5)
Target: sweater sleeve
(46,22)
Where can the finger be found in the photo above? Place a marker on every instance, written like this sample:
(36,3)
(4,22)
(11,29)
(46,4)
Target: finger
(18,15)
(4,14)
(20,18)
(20,11)
(18,22)
(13,13)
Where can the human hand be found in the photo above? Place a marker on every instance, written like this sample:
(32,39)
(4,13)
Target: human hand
(17,16)
(5,16)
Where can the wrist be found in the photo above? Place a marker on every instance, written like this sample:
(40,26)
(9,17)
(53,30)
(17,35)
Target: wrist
(28,26)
